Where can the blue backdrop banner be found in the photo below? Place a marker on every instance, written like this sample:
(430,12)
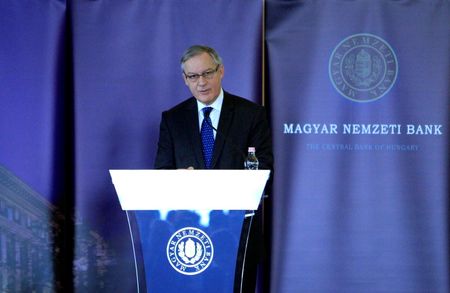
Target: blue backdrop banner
(127,71)
(360,105)
(35,161)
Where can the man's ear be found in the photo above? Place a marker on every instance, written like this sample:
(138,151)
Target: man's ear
(222,71)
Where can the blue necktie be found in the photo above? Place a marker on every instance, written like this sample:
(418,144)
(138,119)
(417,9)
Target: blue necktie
(207,137)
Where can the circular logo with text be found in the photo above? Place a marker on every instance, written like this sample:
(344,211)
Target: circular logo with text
(363,67)
(190,251)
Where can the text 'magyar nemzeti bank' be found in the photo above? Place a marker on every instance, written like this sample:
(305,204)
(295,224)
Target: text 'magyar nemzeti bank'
(360,129)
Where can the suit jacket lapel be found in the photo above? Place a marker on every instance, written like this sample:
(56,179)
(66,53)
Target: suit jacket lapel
(194,132)
(226,116)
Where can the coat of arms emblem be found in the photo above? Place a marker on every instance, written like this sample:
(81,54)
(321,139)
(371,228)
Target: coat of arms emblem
(363,67)
(190,251)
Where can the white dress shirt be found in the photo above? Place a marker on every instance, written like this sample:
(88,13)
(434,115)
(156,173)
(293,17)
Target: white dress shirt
(215,113)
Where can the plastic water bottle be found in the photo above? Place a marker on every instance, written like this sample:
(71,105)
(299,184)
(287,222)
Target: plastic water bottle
(251,162)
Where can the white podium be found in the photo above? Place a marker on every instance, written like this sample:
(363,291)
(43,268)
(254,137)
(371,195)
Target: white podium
(187,226)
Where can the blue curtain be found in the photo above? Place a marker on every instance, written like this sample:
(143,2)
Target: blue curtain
(360,106)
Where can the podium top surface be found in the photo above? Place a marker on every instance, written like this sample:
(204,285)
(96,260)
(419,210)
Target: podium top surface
(189,189)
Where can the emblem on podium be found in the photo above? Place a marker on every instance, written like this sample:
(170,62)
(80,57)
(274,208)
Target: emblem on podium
(190,251)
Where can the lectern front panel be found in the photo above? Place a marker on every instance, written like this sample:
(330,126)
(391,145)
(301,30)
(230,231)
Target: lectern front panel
(187,251)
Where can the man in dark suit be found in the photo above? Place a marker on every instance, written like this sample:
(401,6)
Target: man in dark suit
(234,125)
(240,123)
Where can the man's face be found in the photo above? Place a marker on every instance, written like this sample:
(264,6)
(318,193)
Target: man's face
(205,88)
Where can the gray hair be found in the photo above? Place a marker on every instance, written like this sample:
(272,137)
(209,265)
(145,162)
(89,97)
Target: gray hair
(197,50)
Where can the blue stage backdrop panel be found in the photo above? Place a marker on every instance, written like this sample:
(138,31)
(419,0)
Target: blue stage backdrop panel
(127,71)
(360,106)
(34,80)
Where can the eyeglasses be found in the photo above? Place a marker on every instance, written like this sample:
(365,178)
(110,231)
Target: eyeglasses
(208,74)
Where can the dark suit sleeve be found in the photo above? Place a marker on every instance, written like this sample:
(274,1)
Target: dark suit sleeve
(164,157)
(260,138)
